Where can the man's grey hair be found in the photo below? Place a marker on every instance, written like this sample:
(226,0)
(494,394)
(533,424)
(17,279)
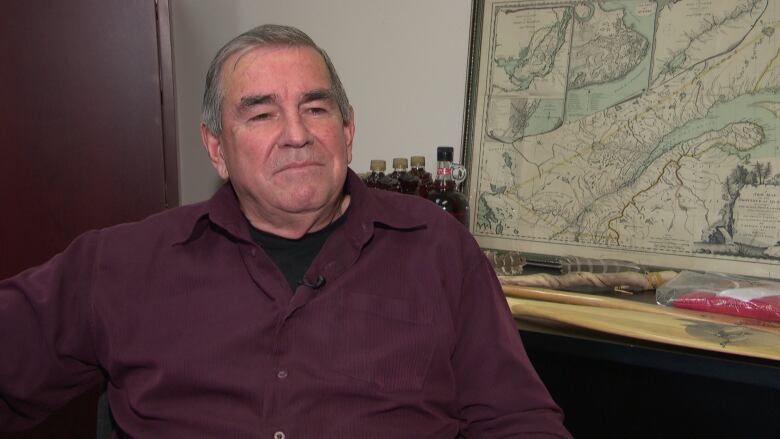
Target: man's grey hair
(267,35)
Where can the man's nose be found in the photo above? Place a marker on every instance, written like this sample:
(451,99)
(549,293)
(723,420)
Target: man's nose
(296,133)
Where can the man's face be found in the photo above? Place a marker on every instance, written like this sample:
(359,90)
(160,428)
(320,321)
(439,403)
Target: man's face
(284,144)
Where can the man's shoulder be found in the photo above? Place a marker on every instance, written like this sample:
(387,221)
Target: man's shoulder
(133,242)
(171,225)
(423,216)
(407,208)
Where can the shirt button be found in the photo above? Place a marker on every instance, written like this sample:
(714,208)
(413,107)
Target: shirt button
(254,252)
(279,435)
(282,374)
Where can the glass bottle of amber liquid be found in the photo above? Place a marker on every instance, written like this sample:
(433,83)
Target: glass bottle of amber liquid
(390,181)
(377,174)
(408,183)
(443,191)
(418,169)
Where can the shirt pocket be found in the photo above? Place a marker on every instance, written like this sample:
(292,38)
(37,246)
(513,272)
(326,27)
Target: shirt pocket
(387,342)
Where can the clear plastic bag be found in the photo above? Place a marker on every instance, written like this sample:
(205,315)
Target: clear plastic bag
(722,293)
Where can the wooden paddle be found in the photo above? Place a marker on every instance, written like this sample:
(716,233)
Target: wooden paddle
(615,303)
(679,330)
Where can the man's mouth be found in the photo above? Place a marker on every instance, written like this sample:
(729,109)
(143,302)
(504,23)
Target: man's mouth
(297,166)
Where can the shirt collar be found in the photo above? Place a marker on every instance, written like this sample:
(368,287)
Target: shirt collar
(378,207)
(223,211)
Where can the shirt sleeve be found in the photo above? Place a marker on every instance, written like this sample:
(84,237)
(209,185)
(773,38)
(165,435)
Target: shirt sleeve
(499,392)
(46,342)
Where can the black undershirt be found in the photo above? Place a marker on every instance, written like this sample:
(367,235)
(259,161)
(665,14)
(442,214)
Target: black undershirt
(294,256)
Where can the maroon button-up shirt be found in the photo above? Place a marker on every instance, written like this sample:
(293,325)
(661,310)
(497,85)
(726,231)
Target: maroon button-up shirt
(199,334)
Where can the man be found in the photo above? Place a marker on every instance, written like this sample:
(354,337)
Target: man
(296,303)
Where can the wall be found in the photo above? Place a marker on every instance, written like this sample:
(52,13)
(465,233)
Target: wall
(403,64)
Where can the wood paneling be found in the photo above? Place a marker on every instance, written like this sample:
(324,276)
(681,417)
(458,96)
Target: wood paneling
(82,123)
(88,136)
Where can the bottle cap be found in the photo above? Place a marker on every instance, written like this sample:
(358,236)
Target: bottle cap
(418,160)
(400,163)
(444,153)
(378,165)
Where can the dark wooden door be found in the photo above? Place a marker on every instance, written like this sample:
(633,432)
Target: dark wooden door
(86,123)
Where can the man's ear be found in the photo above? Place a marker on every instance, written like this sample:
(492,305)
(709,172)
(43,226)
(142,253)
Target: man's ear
(349,133)
(213,145)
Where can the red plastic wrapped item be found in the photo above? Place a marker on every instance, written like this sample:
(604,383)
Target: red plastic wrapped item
(763,308)
(724,294)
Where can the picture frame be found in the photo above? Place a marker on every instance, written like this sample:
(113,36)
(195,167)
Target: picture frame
(576,149)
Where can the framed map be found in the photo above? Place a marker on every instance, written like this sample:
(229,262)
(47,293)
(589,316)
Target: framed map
(629,129)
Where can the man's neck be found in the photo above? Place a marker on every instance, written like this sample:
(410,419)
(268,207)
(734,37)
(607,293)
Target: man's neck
(296,225)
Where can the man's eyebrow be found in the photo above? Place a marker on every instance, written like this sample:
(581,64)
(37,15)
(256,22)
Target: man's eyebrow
(322,94)
(250,101)
(253,100)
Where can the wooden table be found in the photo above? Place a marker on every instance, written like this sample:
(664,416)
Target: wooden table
(615,375)
(649,321)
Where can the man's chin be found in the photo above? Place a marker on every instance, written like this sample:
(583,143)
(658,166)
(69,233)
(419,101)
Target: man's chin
(304,204)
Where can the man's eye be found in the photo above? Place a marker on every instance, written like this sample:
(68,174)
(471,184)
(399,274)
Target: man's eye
(317,110)
(261,116)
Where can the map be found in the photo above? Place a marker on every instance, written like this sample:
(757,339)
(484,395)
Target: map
(630,129)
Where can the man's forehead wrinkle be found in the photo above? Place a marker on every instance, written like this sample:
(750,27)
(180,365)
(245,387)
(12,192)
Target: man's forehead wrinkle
(240,80)
(239,56)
